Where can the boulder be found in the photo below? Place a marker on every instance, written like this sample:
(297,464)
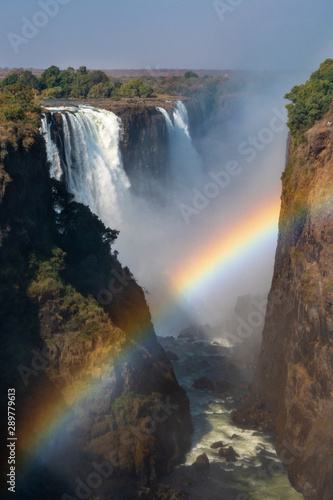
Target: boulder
(229,454)
(202,462)
(218,444)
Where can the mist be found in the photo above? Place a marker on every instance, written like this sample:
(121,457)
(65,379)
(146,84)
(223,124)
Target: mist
(245,151)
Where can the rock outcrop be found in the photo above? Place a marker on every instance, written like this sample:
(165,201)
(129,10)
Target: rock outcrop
(67,355)
(294,378)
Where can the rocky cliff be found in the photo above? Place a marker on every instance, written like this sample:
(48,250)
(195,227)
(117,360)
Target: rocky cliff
(72,348)
(294,378)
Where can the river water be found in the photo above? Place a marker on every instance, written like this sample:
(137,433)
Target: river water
(258,473)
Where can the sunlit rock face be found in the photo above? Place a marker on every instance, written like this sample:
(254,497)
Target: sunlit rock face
(294,376)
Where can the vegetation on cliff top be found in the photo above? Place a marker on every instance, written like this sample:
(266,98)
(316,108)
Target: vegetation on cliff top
(80,83)
(310,100)
(54,83)
(19,116)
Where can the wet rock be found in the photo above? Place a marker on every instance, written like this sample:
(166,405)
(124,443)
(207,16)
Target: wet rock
(172,356)
(234,436)
(253,417)
(202,462)
(218,444)
(204,383)
(229,454)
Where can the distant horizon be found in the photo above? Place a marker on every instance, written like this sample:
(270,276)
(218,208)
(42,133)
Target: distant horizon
(156,71)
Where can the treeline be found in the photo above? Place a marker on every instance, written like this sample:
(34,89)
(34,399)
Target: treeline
(310,100)
(80,83)
(19,117)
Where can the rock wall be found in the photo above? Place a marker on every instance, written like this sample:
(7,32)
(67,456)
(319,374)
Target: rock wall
(136,417)
(295,372)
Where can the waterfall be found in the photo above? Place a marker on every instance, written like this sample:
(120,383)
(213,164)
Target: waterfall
(186,167)
(52,152)
(91,162)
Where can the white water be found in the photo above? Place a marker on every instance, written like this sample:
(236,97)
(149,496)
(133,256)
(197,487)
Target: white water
(51,150)
(93,169)
(186,167)
(258,473)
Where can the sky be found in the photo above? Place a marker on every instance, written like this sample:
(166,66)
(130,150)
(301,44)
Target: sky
(194,34)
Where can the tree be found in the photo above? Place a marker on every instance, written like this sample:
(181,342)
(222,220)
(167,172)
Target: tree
(308,102)
(135,88)
(98,76)
(50,77)
(10,79)
(100,90)
(190,74)
(82,70)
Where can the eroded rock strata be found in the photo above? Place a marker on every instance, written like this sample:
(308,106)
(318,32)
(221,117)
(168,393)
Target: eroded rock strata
(294,378)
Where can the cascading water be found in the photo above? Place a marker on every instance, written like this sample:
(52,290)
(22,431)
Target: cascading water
(51,149)
(186,167)
(91,163)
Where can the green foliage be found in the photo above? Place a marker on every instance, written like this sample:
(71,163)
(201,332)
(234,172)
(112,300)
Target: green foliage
(53,92)
(66,309)
(100,90)
(135,88)
(190,74)
(309,101)
(47,283)
(24,77)
(127,407)
(19,115)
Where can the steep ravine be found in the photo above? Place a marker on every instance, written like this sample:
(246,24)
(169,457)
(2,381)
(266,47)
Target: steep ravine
(102,368)
(294,377)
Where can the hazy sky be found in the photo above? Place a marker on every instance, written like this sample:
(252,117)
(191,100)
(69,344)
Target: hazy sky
(246,34)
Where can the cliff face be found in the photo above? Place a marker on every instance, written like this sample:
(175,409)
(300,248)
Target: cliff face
(295,372)
(66,354)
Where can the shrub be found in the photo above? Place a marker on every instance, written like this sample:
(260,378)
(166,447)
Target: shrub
(190,74)
(135,88)
(309,101)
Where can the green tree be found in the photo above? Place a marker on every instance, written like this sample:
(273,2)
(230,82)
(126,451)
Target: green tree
(50,77)
(135,88)
(100,90)
(190,74)
(308,102)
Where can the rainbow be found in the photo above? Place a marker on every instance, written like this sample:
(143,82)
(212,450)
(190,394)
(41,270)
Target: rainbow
(220,254)
(226,251)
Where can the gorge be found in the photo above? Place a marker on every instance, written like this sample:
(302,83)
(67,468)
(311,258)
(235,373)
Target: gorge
(90,213)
